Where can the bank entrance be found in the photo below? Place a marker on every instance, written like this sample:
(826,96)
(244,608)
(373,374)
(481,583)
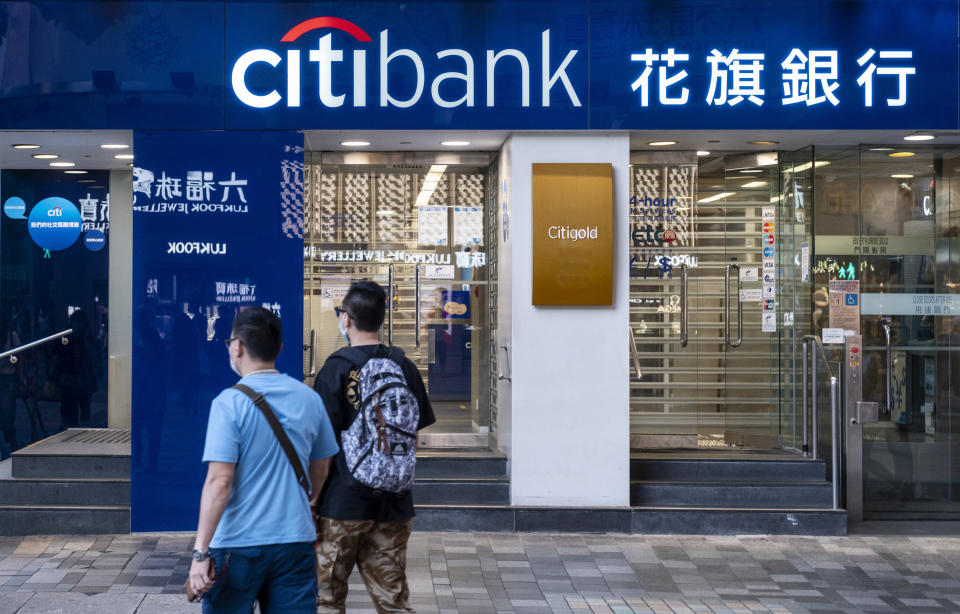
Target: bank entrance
(419,225)
(716,297)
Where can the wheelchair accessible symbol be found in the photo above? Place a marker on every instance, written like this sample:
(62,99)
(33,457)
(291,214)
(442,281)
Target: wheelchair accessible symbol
(851,300)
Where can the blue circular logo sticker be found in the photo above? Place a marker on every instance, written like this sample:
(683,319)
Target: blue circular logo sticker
(15,208)
(54,223)
(94,240)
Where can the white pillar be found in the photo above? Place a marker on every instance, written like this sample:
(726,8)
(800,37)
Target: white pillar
(568,407)
(120,333)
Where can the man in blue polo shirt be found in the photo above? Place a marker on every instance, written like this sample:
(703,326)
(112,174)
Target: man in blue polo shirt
(255,517)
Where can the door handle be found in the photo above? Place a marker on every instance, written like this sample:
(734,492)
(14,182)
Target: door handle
(390,291)
(726,306)
(417,306)
(506,355)
(889,408)
(313,352)
(683,306)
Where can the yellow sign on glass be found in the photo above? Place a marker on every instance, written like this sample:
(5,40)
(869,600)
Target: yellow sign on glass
(572,234)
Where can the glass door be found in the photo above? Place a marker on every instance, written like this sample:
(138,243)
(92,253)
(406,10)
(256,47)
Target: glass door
(746,411)
(704,331)
(419,231)
(888,226)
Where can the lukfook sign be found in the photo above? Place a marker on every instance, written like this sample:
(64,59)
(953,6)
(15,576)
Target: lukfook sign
(326,59)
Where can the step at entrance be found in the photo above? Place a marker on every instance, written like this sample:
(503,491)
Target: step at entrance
(77,481)
(728,493)
(454,490)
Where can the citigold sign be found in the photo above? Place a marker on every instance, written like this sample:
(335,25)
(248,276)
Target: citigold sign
(572,234)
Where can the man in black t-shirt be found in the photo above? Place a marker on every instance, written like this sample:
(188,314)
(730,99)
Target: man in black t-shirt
(357,527)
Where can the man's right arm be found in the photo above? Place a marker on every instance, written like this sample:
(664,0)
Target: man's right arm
(318,471)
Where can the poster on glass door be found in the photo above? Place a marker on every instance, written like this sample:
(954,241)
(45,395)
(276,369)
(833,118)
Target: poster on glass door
(468,226)
(432,226)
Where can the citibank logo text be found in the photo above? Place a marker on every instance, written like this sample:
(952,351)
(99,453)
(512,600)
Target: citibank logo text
(196,247)
(329,59)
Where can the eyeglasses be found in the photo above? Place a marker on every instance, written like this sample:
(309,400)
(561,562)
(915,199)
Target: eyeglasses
(230,340)
(340,311)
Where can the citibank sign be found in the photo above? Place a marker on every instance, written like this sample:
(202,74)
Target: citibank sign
(327,60)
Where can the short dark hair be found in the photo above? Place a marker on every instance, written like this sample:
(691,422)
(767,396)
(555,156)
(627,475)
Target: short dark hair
(366,304)
(260,331)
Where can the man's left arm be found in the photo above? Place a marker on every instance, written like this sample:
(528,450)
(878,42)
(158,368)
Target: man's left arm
(213,500)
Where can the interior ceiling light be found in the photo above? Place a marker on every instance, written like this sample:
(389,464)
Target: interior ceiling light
(751,170)
(763,142)
(114,146)
(76,172)
(84,180)
(124,156)
(881,149)
(25,146)
(63,164)
(806,166)
(455,143)
(703,153)
(429,185)
(661,143)
(754,184)
(901,154)
(901,176)
(919,137)
(355,143)
(710,199)
(46,156)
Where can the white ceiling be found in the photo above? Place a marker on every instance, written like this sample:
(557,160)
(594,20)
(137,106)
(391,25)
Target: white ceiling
(83,147)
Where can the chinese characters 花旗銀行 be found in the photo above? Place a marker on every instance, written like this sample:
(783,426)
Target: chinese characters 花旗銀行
(810,77)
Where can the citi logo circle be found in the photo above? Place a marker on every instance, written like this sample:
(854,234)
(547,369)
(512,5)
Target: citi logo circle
(464,73)
(54,223)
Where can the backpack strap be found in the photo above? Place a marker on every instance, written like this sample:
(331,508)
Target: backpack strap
(278,431)
(354,356)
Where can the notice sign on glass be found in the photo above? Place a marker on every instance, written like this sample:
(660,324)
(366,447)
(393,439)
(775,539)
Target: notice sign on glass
(572,234)
(845,304)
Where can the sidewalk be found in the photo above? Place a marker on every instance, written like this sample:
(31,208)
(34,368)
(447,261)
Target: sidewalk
(532,573)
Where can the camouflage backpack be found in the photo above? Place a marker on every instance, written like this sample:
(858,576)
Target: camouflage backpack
(380,445)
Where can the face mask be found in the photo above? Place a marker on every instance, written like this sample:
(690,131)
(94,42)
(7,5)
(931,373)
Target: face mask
(233,365)
(343,330)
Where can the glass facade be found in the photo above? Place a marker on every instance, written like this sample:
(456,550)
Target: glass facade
(53,279)
(715,299)
(422,232)
(887,217)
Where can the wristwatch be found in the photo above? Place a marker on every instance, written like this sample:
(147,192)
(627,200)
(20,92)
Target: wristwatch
(199,556)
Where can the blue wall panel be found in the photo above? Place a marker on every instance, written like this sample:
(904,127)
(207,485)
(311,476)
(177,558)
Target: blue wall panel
(205,245)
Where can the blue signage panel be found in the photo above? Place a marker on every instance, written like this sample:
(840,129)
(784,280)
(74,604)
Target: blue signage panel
(423,65)
(483,64)
(790,64)
(217,227)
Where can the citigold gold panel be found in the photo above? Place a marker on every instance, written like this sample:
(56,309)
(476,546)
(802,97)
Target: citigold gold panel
(572,234)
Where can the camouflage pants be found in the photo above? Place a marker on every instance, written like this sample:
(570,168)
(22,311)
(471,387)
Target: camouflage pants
(379,549)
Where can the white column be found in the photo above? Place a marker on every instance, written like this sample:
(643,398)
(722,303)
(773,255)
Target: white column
(569,401)
(120,333)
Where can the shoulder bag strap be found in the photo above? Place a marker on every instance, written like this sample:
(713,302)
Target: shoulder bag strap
(281,435)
